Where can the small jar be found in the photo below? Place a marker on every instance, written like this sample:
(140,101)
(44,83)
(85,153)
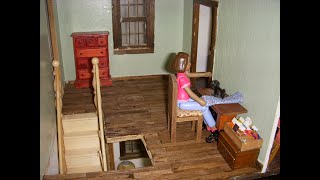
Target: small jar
(125,165)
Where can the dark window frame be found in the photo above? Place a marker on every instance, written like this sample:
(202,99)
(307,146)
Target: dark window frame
(125,155)
(117,34)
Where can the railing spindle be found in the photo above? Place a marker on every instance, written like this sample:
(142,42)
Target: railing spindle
(98,104)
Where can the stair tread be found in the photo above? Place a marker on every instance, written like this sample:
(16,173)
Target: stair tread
(82,152)
(72,117)
(83,169)
(79,134)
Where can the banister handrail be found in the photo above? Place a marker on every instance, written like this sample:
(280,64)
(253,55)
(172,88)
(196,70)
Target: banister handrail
(98,104)
(58,103)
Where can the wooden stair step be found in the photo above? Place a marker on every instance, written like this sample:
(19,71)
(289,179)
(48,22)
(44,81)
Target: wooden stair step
(82,152)
(81,140)
(84,169)
(84,160)
(76,125)
(78,116)
(80,134)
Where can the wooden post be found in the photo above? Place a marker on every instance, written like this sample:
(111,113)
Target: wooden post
(95,62)
(57,89)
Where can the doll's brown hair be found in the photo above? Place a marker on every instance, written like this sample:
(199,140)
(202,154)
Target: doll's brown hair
(180,62)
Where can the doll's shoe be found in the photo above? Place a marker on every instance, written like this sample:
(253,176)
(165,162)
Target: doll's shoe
(212,137)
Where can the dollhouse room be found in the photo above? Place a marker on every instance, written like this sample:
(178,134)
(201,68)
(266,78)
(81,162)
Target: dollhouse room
(159,89)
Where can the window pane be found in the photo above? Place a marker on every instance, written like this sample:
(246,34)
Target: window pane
(132,1)
(142,39)
(125,33)
(142,27)
(132,11)
(141,2)
(125,40)
(123,1)
(133,33)
(124,11)
(124,28)
(141,11)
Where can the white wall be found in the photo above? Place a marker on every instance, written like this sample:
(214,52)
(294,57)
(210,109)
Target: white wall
(96,15)
(139,162)
(248,58)
(48,131)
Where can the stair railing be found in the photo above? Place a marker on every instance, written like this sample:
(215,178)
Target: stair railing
(58,103)
(98,104)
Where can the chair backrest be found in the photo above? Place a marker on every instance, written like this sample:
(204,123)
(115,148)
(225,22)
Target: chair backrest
(172,97)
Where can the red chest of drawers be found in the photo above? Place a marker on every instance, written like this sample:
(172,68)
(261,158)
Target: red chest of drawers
(87,45)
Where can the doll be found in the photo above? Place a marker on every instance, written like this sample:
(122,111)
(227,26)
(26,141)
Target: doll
(187,99)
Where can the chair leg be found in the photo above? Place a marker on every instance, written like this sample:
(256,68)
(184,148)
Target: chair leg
(173,131)
(193,126)
(199,129)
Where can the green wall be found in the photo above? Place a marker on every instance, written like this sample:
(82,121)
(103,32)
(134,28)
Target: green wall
(47,107)
(248,58)
(187,26)
(96,15)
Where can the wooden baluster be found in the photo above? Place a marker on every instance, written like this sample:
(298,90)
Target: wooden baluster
(96,76)
(58,103)
(94,84)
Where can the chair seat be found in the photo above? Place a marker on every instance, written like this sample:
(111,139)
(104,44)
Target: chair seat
(188,113)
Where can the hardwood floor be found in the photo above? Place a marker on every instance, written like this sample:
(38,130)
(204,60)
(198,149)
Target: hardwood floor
(135,109)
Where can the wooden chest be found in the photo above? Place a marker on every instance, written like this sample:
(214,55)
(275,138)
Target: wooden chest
(87,45)
(232,154)
(244,143)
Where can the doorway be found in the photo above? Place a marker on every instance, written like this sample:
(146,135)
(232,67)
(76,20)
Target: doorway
(204,30)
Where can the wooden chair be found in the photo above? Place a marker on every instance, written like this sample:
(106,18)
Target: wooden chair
(176,115)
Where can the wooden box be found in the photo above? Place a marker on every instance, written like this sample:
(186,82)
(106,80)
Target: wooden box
(244,143)
(233,155)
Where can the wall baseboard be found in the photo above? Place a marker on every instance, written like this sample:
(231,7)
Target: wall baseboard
(130,78)
(138,77)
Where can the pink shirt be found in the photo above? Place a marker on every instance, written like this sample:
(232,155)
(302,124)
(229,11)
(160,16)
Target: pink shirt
(182,81)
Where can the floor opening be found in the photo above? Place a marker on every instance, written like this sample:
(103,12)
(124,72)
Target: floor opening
(130,152)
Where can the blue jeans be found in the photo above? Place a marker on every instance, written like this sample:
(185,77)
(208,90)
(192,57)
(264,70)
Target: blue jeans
(193,105)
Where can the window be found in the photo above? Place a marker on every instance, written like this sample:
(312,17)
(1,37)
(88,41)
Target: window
(133,26)
(132,149)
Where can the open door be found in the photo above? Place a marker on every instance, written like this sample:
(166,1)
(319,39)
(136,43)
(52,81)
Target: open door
(204,30)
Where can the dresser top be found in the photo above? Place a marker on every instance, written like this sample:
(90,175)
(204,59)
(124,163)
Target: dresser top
(90,33)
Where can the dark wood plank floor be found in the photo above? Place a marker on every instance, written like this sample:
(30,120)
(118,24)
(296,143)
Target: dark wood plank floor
(136,108)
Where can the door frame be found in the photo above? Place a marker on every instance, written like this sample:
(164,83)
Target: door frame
(195,30)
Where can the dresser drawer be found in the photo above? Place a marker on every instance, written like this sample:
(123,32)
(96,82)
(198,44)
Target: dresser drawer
(91,41)
(91,52)
(102,41)
(85,63)
(79,42)
(85,74)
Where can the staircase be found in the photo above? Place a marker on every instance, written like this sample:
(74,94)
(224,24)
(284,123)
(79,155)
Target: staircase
(81,143)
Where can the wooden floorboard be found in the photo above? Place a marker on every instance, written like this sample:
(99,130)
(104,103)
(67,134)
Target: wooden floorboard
(136,108)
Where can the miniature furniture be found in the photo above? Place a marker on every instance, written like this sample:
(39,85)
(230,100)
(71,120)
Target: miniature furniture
(86,46)
(233,155)
(176,115)
(225,112)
